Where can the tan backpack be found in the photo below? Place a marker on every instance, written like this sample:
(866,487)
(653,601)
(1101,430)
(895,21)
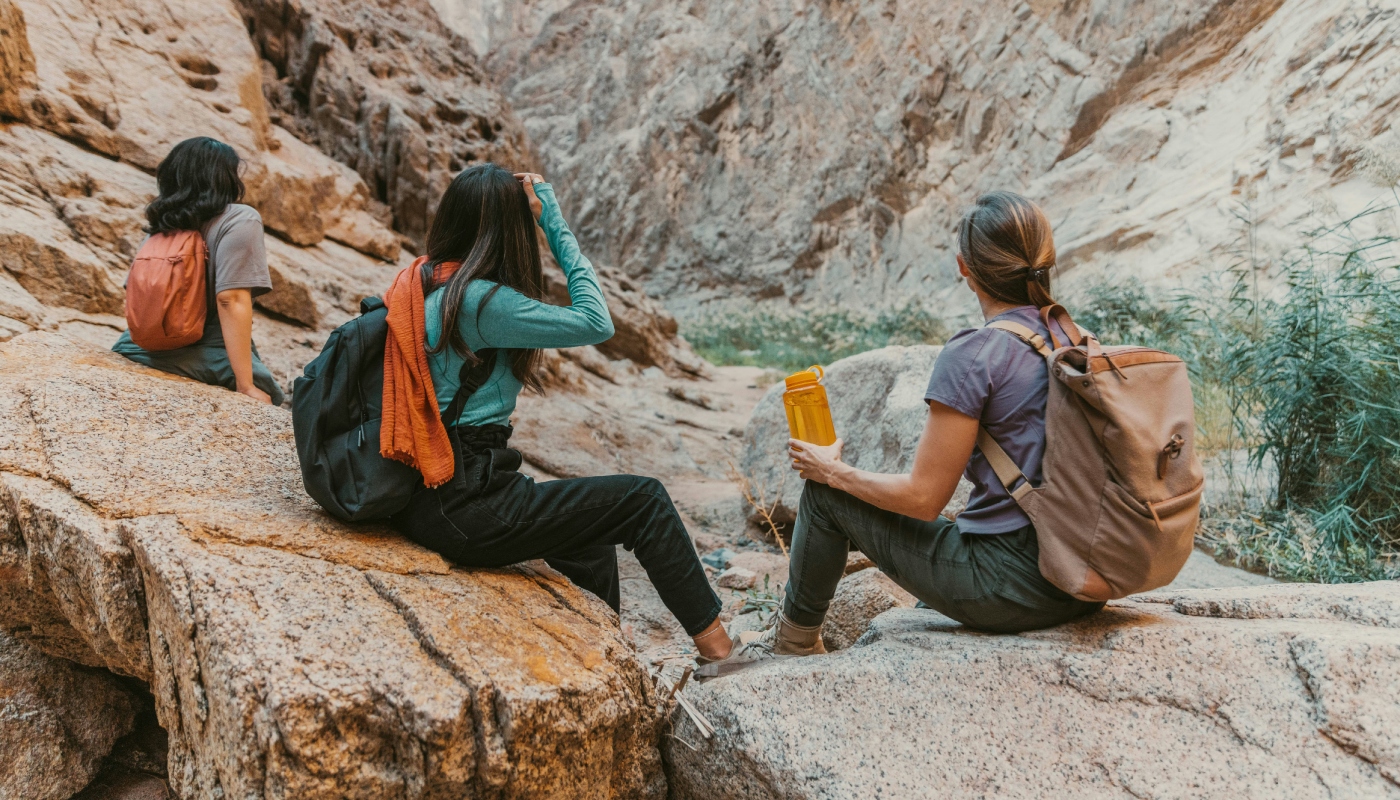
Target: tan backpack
(166,304)
(1117,510)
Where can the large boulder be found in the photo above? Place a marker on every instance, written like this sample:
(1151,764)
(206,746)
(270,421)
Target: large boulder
(58,721)
(1256,692)
(877,403)
(158,528)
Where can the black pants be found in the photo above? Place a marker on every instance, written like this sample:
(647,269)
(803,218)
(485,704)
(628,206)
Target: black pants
(491,515)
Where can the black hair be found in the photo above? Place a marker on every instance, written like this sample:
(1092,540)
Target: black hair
(484,222)
(198,179)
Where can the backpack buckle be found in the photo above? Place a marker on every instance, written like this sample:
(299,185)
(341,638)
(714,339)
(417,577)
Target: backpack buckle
(1171,451)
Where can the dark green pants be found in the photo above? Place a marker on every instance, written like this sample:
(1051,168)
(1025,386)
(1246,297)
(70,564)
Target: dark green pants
(989,582)
(205,361)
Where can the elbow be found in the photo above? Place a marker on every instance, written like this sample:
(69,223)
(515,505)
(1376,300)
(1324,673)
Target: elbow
(603,329)
(929,510)
(230,299)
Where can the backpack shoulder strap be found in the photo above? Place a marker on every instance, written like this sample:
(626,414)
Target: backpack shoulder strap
(1007,472)
(469,380)
(1023,333)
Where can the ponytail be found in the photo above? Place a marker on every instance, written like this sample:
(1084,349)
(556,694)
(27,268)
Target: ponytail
(1006,243)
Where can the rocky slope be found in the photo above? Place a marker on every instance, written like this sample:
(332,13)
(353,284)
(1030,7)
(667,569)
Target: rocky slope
(820,151)
(58,722)
(385,88)
(1252,693)
(157,528)
(351,121)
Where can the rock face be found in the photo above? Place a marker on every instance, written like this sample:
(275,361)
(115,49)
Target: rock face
(387,89)
(823,151)
(129,81)
(101,93)
(157,527)
(877,403)
(1266,690)
(57,722)
(349,119)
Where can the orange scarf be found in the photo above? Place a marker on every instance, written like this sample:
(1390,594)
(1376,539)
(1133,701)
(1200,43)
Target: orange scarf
(411,428)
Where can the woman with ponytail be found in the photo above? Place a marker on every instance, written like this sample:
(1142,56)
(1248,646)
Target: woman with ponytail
(982,568)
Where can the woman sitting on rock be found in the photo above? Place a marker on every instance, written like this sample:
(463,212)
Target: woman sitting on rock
(200,191)
(982,569)
(474,300)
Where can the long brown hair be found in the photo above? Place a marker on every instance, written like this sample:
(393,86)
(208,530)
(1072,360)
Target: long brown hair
(484,221)
(1007,245)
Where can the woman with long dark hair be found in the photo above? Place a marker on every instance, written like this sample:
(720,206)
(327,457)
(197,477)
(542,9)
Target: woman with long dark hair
(200,191)
(481,286)
(981,569)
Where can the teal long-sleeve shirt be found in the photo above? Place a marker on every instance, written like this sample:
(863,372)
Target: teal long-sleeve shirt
(511,320)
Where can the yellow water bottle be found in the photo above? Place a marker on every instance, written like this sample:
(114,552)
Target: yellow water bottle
(808,412)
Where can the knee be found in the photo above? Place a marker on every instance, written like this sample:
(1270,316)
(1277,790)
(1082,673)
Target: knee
(650,494)
(814,496)
(647,485)
(653,493)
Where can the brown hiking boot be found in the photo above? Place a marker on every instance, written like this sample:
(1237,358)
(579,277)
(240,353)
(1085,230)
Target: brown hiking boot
(782,639)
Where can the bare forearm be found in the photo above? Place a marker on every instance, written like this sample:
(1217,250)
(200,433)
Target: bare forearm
(943,451)
(897,493)
(236,320)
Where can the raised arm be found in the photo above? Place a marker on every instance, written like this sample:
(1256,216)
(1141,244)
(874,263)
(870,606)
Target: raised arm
(512,320)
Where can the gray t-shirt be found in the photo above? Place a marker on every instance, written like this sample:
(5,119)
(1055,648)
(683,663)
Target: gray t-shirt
(992,376)
(237,254)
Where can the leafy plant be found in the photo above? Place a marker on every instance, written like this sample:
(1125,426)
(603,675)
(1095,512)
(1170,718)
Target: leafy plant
(792,339)
(765,601)
(1313,374)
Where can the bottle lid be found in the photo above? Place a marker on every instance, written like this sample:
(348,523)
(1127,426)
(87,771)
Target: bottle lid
(806,377)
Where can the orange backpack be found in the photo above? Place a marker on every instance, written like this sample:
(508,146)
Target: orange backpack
(166,304)
(1117,509)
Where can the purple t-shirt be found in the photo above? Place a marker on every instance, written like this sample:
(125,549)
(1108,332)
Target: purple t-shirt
(993,376)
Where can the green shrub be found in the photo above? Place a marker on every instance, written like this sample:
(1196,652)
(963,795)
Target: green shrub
(1313,377)
(792,339)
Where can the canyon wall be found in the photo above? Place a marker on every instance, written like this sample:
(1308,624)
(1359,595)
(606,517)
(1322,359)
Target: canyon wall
(351,121)
(822,151)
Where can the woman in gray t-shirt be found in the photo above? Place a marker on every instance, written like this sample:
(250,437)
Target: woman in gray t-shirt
(200,190)
(981,570)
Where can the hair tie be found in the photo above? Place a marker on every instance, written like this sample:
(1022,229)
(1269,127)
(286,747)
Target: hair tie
(1037,274)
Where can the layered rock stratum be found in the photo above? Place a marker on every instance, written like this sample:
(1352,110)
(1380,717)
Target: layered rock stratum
(820,151)
(157,527)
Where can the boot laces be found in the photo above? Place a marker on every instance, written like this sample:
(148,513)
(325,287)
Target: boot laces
(765,643)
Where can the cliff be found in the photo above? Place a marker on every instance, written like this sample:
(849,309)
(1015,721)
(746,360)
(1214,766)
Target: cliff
(820,151)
